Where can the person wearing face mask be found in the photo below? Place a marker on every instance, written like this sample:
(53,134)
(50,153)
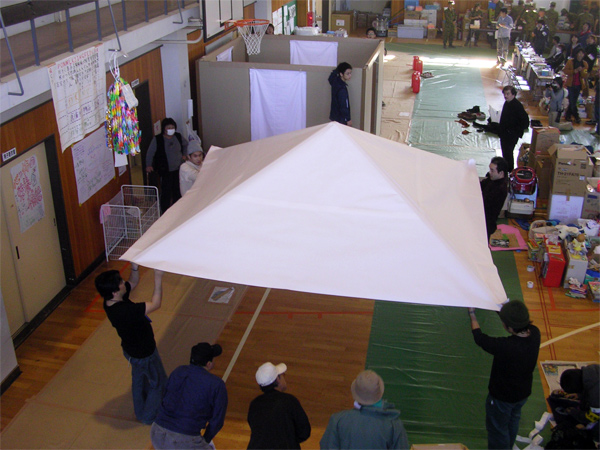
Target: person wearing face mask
(558,101)
(188,172)
(164,156)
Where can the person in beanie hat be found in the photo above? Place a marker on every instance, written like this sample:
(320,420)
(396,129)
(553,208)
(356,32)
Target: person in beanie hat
(373,423)
(515,358)
(276,419)
(194,400)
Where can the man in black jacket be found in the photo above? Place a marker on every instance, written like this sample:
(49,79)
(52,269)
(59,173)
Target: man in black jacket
(276,419)
(494,189)
(513,123)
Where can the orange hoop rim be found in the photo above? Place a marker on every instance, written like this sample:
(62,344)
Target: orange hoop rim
(245,22)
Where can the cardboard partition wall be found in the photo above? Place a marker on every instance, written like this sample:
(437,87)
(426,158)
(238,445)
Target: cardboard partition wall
(224,87)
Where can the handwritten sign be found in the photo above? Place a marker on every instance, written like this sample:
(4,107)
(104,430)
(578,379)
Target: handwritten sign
(93,163)
(79,93)
(28,193)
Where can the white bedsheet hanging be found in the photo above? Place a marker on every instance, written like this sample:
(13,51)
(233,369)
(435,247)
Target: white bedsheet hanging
(314,53)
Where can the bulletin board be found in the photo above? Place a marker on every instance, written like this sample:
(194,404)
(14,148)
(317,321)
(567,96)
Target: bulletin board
(216,12)
(285,19)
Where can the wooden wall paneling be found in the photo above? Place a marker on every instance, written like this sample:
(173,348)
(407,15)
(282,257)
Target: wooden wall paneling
(85,231)
(301,12)
(195,52)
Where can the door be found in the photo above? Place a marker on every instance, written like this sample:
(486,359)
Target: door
(32,234)
(144,110)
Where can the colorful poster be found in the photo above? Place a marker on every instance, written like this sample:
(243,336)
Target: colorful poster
(93,163)
(79,93)
(28,193)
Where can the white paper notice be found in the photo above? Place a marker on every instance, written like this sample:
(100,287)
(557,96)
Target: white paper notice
(28,193)
(93,162)
(79,94)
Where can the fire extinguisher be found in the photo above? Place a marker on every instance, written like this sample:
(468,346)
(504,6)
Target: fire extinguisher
(416,82)
(415,62)
(309,19)
(419,66)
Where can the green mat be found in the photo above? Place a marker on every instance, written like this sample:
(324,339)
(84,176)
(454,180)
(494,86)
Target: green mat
(433,371)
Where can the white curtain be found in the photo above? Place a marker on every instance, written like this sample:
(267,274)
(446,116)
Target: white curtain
(277,102)
(226,55)
(314,53)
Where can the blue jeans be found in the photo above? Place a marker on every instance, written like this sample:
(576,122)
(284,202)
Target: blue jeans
(148,385)
(502,422)
(163,439)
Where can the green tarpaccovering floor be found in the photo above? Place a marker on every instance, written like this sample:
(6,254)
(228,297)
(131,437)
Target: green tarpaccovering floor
(434,372)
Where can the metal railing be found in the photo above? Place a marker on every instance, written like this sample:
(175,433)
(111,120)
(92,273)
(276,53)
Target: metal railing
(34,9)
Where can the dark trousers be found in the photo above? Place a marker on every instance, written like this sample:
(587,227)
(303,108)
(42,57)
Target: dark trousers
(573,97)
(169,189)
(502,422)
(508,150)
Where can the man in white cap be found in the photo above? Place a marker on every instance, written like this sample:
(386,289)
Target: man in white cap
(276,419)
(372,424)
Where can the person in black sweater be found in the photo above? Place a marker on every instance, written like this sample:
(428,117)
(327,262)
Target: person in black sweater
(137,337)
(494,189)
(340,103)
(513,123)
(511,378)
(276,419)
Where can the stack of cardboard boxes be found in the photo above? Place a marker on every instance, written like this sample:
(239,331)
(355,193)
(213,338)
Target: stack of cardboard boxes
(562,172)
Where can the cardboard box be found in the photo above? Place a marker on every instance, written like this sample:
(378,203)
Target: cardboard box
(571,168)
(591,201)
(414,15)
(566,209)
(576,266)
(343,19)
(542,138)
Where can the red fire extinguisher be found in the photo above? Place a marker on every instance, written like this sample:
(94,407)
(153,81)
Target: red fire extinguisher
(309,19)
(419,66)
(415,62)
(416,82)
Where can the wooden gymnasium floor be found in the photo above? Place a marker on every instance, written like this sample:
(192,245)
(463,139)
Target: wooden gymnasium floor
(322,339)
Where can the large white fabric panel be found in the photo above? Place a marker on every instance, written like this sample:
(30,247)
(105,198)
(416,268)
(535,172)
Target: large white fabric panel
(314,53)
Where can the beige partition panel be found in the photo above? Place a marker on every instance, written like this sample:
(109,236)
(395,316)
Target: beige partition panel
(224,87)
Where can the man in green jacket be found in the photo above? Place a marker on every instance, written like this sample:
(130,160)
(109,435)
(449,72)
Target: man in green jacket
(552,19)
(372,423)
(449,24)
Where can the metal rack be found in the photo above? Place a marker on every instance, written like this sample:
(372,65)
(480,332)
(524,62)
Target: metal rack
(127,216)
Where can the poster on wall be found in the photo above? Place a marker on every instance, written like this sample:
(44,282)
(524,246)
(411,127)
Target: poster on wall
(78,86)
(29,199)
(93,163)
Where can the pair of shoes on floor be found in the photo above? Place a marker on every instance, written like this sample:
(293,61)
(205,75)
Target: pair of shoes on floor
(467,115)
(466,132)
(427,75)
(463,123)
(474,109)
(591,122)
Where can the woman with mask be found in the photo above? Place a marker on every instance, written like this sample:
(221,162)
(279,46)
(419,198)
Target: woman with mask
(164,156)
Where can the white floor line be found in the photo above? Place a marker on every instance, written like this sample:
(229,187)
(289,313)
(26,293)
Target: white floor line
(238,350)
(570,333)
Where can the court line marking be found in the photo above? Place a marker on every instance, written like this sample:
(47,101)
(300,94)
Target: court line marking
(238,350)
(570,333)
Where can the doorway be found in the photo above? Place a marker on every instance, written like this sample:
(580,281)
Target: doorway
(33,271)
(137,164)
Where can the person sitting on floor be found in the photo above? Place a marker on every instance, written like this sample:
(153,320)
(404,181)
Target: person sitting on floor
(494,189)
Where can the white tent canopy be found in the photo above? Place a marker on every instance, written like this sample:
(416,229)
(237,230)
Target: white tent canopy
(333,210)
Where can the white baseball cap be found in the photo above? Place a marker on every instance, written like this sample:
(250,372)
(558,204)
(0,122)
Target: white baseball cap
(268,373)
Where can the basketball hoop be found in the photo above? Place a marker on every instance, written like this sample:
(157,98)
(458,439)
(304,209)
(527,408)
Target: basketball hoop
(252,30)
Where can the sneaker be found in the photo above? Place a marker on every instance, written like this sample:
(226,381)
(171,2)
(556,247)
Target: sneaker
(467,116)
(480,116)
(475,109)
(427,75)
